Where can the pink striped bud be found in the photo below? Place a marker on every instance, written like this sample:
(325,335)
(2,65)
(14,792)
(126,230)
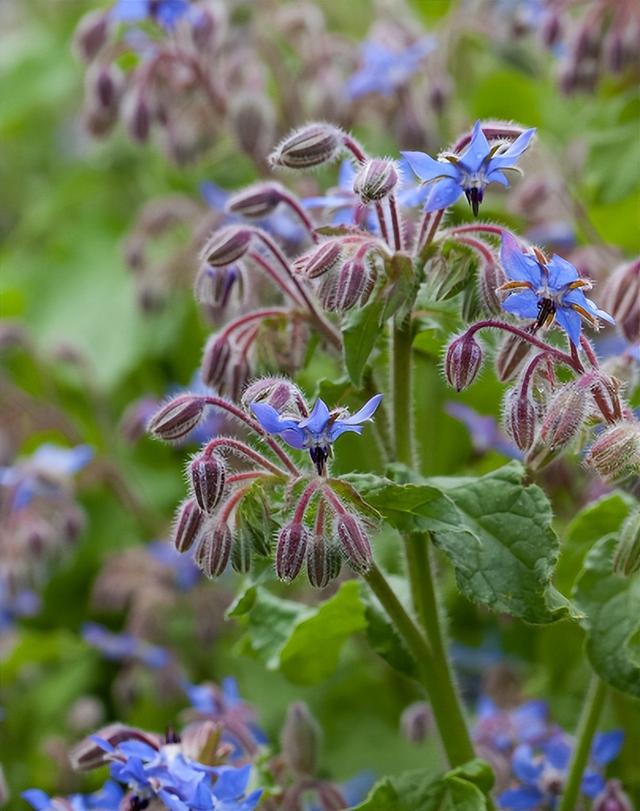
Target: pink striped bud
(416,722)
(213,285)
(323,562)
(605,391)
(308,147)
(490,278)
(375,180)
(616,452)
(87,755)
(257,201)
(177,418)
(215,360)
(520,417)
(354,542)
(208,477)
(463,361)
(277,392)
(613,798)
(212,553)
(563,417)
(511,355)
(322,259)
(227,245)
(300,739)
(290,551)
(187,525)
(621,298)
(351,284)
(91,34)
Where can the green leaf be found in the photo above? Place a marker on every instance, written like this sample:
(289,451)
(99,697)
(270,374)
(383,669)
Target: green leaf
(360,330)
(612,607)
(496,532)
(303,643)
(597,519)
(399,286)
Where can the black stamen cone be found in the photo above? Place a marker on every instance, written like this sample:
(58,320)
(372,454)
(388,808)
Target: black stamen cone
(319,458)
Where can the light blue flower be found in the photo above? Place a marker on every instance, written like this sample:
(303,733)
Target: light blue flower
(107,798)
(166,12)
(470,172)
(546,291)
(383,70)
(124,646)
(318,431)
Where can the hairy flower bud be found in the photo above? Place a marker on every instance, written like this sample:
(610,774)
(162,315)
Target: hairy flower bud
(616,452)
(215,360)
(510,357)
(290,551)
(307,147)
(323,562)
(258,201)
(87,755)
(613,798)
(213,285)
(626,559)
(354,542)
(208,477)
(187,525)
(375,180)
(177,418)
(252,122)
(139,120)
(300,739)
(520,417)
(214,548)
(490,277)
(463,361)
(322,259)
(351,284)
(227,245)
(416,722)
(621,298)
(277,392)
(563,417)
(91,34)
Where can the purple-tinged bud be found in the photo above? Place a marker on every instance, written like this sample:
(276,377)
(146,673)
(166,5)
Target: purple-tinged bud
(350,285)
(621,298)
(307,147)
(87,755)
(213,285)
(463,361)
(510,357)
(551,29)
(290,551)
(322,259)
(563,417)
(227,245)
(330,797)
(323,562)
(354,542)
(277,392)
(616,452)
(520,417)
(242,552)
(187,525)
(139,120)
(106,87)
(613,798)
(91,34)
(215,360)
(375,180)
(416,722)
(490,278)
(252,122)
(203,28)
(259,200)
(605,391)
(208,477)
(300,739)
(626,559)
(177,418)
(212,553)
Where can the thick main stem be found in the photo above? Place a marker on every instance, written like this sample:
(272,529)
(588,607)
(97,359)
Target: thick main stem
(401,340)
(587,725)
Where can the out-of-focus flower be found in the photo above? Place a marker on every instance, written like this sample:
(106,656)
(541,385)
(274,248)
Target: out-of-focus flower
(107,798)
(484,430)
(470,172)
(124,646)
(166,12)
(384,70)
(546,290)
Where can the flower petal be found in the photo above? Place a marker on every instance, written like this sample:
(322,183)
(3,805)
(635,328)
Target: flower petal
(558,753)
(510,156)
(365,413)
(525,798)
(339,427)
(270,420)
(525,765)
(606,746)
(475,154)
(593,783)
(524,304)
(317,419)
(442,194)
(294,437)
(561,272)
(427,168)
(570,321)
(517,265)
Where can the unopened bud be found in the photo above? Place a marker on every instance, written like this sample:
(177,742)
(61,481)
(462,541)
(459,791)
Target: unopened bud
(87,755)
(510,357)
(242,552)
(290,551)
(213,285)
(354,542)
(187,525)
(215,360)
(203,27)
(91,34)
(277,392)
(214,548)
(252,122)
(350,285)
(323,562)
(613,798)
(177,418)
(208,477)
(307,147)
(520,417)
(416,722)
(551,29)
(139,120)
(227,245)
(626,559)
(616,452)
(621,298)
(256,201)
(563,417)
(322,259)
(300,739)
(605,391)
(106,87)
(490,278)
(375,180)
(463,361)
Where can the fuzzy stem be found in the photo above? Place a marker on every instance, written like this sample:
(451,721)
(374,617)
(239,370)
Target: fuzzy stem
(395,222)
(587,724)
(304,500)
(401,351)
(354,147)
(244,450)
(428,230)
(275,276)
(474,227)
(294,204)
(382,222)
(560,356)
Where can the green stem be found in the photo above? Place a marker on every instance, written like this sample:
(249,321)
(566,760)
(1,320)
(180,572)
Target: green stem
(449,720)
(401,340)
(587,724)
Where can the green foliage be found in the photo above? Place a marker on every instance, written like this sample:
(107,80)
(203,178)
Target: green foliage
(361,329)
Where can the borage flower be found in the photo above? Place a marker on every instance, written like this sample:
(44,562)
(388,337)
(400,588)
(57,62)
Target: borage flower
(383,70)
(166,12)
(546,290)
(107,798)
(319,430)
(470,172)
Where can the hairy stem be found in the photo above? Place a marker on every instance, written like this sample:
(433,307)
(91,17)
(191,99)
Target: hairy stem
(402,391)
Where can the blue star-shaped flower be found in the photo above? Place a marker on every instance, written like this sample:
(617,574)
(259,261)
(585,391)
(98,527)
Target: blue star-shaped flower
(383,70)
(166,12)
(470,172)
(546,290)
(317,432)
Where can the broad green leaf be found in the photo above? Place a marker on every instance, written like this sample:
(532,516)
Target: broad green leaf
(360,331)
(612,607)
(400,285)
(496,532)
(597,519)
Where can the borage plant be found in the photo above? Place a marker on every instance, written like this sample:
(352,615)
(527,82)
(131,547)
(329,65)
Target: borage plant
(370,287)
